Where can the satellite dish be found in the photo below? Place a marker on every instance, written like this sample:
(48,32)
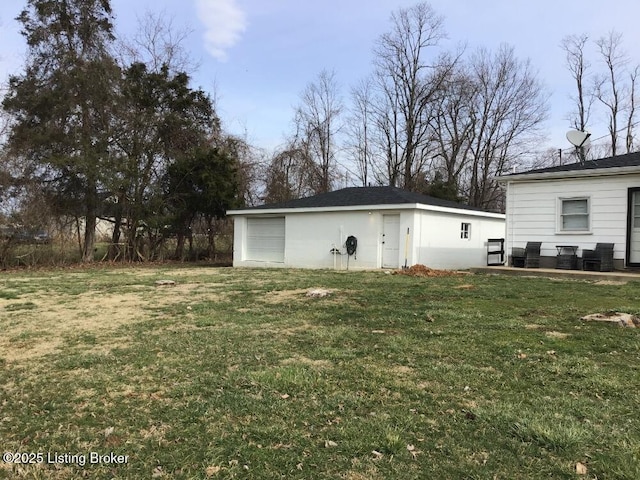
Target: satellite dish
(578,138)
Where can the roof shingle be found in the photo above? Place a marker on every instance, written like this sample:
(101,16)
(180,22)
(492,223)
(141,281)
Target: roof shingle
(359,196)
(626,160)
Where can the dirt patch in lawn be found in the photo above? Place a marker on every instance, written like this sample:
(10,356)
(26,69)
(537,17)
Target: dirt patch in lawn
(611,282)
(283,296)
(92,317)
(54,319)
(554,334)
(401,370)
(302,360)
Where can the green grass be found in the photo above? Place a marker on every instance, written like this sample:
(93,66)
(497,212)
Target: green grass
(236,374)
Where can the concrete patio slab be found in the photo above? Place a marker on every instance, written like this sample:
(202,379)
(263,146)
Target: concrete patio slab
(615,276)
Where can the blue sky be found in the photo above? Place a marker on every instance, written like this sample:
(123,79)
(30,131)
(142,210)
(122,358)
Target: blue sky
(259,55)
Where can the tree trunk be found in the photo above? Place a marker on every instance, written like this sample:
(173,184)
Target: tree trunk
(90,224)
(114,248)
(211,238)
(179,253)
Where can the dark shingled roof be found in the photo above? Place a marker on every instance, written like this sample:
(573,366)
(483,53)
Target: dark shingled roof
(627,160)
(360,196)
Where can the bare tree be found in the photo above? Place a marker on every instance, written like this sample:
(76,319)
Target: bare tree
(453,132)
(250,162)
(631,109)
(488,118)
(509,106)
(608,89)
(290,174)
(408,82)
(578,66)
(157,43)
(317,120)
(359,132)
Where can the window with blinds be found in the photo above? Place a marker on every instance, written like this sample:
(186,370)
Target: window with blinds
(574,215)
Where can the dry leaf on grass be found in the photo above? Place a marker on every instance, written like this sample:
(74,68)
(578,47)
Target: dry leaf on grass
(157,472)
(581,468)
(413,451)
(212,470)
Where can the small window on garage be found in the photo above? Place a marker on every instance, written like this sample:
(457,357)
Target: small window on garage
(265,239)
(465,231)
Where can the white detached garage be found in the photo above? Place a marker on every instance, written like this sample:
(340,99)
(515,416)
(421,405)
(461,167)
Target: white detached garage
(389,225)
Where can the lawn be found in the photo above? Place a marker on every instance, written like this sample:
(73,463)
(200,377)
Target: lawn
(237,374)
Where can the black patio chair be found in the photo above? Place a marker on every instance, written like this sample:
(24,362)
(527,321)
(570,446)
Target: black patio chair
(600,259)
(528,257)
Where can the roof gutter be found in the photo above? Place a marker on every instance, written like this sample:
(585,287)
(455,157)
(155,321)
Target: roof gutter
(351,208)
(593,172)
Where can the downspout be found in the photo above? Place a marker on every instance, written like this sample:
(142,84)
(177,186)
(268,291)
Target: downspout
(509,229)
(341,243)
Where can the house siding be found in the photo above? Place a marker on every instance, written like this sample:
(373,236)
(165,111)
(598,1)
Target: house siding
(532,213)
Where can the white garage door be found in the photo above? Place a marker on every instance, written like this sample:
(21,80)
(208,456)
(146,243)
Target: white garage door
(265,239)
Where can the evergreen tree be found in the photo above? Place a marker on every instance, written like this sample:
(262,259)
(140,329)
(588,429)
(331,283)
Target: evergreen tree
(61,104)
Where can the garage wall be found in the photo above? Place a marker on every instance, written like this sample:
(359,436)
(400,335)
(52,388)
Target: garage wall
(311,236)
(434,239)
(439,244)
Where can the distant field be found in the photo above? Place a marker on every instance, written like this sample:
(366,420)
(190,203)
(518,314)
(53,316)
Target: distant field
(235,373)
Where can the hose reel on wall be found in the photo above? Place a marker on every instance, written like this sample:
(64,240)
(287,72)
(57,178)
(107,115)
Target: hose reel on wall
(351,243)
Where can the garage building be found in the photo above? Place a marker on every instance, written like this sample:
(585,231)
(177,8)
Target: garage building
(391,227)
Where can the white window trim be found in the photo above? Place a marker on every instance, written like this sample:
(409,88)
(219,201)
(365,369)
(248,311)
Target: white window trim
(468,231)
(559,230)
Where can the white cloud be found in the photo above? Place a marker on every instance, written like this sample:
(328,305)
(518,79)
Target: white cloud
(224,23)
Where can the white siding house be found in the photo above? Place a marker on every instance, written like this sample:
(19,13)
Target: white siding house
(581,204)
(389,224)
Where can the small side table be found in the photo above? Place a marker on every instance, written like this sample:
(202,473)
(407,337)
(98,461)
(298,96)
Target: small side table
(567,258)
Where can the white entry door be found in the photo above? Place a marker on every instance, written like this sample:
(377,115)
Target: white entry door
(634,227)
(390,241)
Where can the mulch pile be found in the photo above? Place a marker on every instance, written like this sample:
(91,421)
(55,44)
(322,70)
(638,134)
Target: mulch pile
(424,271)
